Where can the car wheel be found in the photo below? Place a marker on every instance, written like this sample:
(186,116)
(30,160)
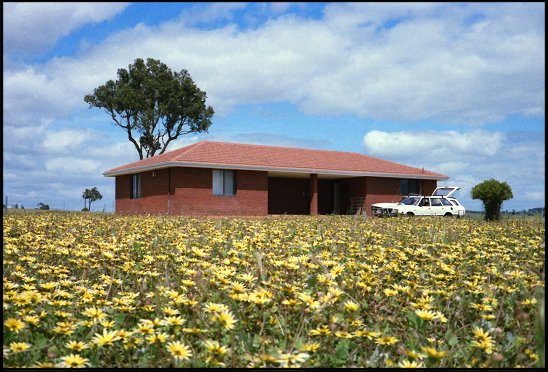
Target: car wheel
(448,214)
(410,214)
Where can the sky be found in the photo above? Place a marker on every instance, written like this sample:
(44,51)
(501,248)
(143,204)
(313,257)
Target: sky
(456,88)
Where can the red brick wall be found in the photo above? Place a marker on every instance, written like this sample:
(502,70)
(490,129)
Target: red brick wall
(191,193)
(382,190)
(153,193)
(256,194)
(428,187)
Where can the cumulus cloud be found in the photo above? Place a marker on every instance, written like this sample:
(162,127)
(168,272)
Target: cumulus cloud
(445,144)
(406,63)
(73,165)
(67,139)
(469,158)
(35,27)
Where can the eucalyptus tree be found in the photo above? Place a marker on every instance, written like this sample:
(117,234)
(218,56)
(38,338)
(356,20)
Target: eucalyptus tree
(153,105)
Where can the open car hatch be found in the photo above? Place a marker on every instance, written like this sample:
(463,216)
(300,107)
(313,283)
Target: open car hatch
(446,191)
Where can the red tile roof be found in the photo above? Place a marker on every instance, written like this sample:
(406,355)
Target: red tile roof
(209,154)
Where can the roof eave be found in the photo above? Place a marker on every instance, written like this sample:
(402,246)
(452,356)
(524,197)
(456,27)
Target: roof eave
(170,164)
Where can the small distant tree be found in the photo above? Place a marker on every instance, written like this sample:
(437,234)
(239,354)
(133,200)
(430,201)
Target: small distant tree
(43,206)
(91,195)
(492,193)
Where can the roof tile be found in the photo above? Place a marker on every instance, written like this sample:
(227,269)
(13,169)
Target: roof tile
(280,158)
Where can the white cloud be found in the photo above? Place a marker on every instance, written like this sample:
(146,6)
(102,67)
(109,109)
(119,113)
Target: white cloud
(446,145)
(210,13)
(470,158)
(428,67)
(67,139)
(34,27)
(73,165)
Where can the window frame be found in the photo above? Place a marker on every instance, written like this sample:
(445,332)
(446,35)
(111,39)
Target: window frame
(135,192)
(223,182)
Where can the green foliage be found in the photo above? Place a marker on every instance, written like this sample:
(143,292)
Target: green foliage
(492,193)
(153,105)
(43,206)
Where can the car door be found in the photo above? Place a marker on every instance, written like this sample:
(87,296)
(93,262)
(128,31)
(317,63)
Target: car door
(448,207)
(423,208)
(436,208)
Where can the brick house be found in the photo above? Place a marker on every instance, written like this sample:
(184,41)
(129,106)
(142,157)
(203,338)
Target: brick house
(220,178)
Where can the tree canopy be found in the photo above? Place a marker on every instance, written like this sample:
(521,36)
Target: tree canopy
(153,105)
(91,195)
(492,193)
(43,206)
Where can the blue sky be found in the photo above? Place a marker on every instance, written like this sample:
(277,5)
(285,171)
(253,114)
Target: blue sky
(456,88)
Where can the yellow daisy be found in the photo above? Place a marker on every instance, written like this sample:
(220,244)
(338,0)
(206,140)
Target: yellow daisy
(432,352)
(159,338)
(18,347)
(73,361)
(179,350)
(408,364)
(425,314)
(226,318)
(15,325)
(351,306)
(107,338)
(386,340)
(213,347)
(76,345)
(311,346)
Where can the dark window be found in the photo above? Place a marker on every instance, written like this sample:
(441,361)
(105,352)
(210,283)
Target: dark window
(135,186)
(224,182)
(408,187)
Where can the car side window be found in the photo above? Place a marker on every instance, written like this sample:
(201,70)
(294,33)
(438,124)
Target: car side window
(425,202)
(435,202)
(446,202)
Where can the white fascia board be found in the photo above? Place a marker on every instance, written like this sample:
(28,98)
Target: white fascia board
(269,169)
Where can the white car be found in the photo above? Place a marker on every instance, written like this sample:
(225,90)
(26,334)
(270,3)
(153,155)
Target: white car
(440,203)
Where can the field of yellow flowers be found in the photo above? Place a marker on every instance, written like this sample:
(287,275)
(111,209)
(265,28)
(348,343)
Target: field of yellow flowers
(99,290)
